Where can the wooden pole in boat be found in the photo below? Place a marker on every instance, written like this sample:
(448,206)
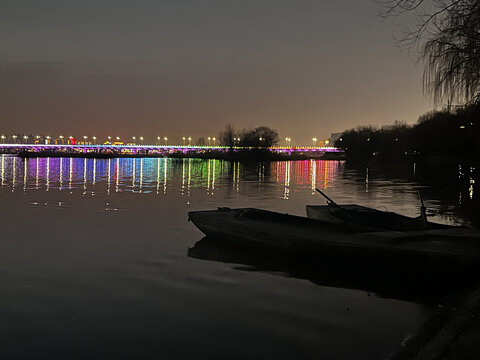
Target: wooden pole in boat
(347,216)
(423,210)
(326,197)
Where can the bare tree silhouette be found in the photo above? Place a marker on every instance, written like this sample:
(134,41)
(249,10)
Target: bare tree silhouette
(447,37)
(227,136)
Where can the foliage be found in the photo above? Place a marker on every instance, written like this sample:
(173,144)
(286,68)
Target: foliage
(201,141)
(227,136)
(447,34)
(261,137)
(451,133)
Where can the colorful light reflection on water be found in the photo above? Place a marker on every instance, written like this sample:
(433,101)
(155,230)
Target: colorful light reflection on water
(217,183)
(159,175)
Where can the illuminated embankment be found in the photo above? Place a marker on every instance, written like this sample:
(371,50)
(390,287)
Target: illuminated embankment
(33,150)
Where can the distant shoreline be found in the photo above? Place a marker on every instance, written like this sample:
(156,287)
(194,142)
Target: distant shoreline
(229,156)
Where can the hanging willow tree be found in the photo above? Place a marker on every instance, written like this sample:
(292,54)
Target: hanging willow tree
(447,35)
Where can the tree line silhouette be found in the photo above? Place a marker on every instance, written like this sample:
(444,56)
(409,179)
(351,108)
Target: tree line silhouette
(451,133)
(261,137)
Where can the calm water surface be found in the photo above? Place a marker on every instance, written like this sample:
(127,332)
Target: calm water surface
(95,263)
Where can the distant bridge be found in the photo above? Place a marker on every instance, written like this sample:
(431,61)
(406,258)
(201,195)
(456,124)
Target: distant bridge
(147,149)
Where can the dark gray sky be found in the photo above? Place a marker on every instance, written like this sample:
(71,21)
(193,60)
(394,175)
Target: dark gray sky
(187,67)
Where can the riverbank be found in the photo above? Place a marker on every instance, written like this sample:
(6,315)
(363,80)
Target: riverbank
(451,333)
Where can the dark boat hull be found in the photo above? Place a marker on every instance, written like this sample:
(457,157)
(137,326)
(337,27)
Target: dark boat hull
(294,234)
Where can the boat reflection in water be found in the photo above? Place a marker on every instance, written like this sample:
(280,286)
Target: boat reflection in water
(385,279)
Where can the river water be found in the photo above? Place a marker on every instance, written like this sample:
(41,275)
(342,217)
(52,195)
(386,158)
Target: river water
(99,261)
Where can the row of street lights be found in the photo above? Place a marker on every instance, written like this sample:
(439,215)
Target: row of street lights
(288,141)
(325,143)
(209,141)
(117,139)
(48,139)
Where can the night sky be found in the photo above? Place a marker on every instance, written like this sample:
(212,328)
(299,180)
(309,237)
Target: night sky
(187,67)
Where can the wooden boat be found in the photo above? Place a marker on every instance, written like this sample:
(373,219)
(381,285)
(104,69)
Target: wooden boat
(295,234)
(367,219)
(363,218)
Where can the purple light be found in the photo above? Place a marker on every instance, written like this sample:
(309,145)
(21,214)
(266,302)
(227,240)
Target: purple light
(135,148)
